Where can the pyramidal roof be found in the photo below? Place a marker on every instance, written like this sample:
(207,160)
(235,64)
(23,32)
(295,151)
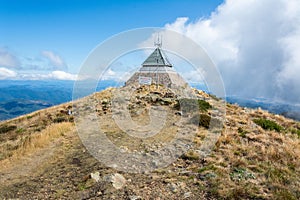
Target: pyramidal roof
(157,58)
(156,69)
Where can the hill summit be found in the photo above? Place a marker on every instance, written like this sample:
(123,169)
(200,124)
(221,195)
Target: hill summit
(49,153)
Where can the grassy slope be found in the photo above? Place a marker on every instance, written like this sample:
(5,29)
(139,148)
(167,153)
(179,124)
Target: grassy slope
(41,156)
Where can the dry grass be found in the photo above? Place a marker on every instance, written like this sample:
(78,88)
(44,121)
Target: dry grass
(31,143)
(18,131)
(248,162)
(253,163)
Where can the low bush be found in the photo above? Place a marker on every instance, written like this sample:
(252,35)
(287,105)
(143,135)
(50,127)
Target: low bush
(204,105)
(190,155)
(60,119)
(296,131)
(242,132)
(206,121)
(7,128)
(207,168)
(239,174)
(189,105)
(268,124)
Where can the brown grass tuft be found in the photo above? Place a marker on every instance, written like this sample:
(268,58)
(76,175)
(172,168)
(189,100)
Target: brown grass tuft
(31,143)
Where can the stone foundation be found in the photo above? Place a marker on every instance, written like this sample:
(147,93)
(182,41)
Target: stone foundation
(166,79)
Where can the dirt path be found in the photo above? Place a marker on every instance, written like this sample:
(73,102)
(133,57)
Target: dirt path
(21,168)
(26,165)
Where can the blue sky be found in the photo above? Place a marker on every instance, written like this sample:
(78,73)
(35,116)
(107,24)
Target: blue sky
(254,44)
(70,29)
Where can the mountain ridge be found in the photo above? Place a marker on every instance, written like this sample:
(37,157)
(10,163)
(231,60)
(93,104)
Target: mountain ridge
(57,92)
(43,157)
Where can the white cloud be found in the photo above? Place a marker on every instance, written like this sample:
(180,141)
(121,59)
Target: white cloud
(46,66)
(7,73)
(193,76)
(7,59)
(61,75)
(255,44)
(53,75)
(110,72)
(54,60)
(116,75)
(46,61)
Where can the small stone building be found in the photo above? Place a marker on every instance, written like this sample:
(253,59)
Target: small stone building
(157,69)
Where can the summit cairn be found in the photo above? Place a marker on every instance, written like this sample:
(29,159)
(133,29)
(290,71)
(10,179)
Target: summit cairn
(157,69)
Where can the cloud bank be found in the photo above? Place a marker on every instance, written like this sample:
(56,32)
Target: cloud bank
(46,60)
(6,73)
(61,75)
(48,66)
(8,59)
(54,75)
(255,45)
(54,60)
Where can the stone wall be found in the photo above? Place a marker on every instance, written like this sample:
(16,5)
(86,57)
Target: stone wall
(166,79)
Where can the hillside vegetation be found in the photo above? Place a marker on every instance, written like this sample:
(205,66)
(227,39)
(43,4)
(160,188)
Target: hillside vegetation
(255,157)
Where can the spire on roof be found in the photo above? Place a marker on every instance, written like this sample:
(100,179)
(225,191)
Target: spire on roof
(158,42)
(157,58)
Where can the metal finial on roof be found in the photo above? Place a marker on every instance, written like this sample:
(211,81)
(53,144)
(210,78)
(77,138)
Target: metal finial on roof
(158,41)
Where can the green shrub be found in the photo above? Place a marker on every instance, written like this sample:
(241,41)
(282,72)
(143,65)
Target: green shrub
(186,105)
(207,168)
(20,130)
(296,131)
(239,174)
(189,105)
(59,119)
(204,105)
(201,120)
(268,124)
(206,121)
(242,132)
(190,155)
(7,128)
(71,119)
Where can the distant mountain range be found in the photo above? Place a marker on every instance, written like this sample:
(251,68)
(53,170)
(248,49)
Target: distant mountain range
(285,109)
(15,108)
(22,97)
(288,110)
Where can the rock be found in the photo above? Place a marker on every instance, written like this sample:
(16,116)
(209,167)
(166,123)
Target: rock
(123,149)
(76,161)
(173,187)
(105,101)
(178,113)
(134,197)
(118,181)
(182,185)
(155,177)
(167,101)
(95,176)
(170,180)
(169,95)
(187,195)
(155,98)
